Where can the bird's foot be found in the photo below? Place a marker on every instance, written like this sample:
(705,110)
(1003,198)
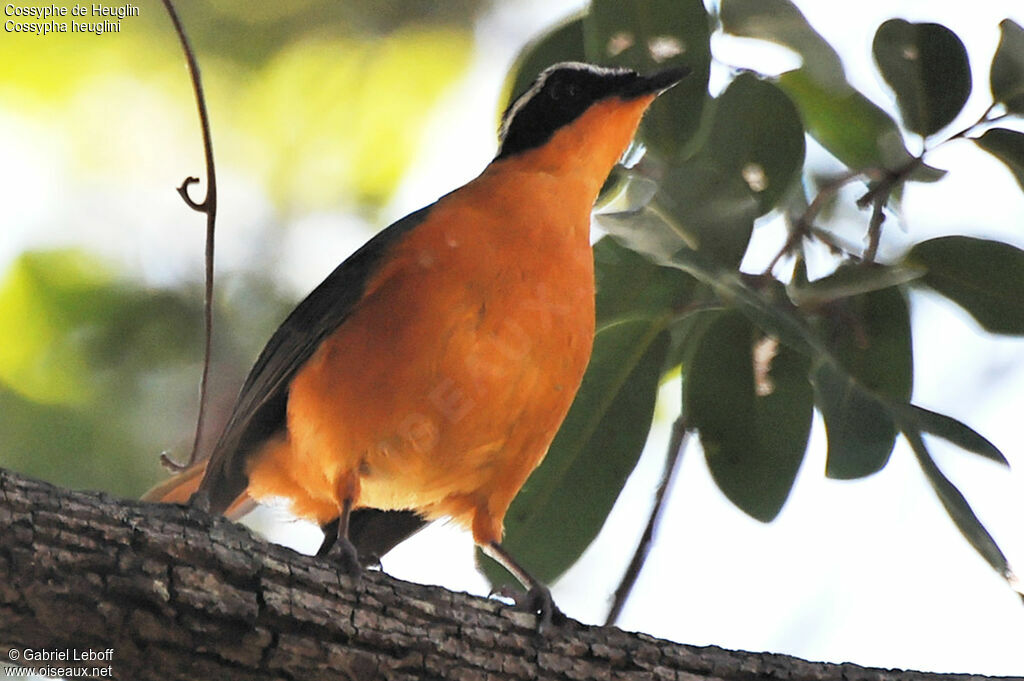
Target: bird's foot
(342,553)
(537,600)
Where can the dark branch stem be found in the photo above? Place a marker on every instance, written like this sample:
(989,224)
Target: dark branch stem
(672,459)
(802,226)
(970,128)
(835,244)
(878,195)
(883,182)
(875,228)
(795,237)
(880,191)
(208,206)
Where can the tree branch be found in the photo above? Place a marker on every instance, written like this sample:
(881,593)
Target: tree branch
(180,595)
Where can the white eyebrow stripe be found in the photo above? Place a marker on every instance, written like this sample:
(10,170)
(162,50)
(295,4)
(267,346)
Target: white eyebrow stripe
(538,85)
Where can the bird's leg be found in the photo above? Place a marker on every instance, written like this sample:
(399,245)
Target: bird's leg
(336,544)
(330,531)
(537,598)
(343,550)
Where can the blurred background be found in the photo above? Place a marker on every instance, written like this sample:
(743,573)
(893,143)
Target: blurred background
(330,120)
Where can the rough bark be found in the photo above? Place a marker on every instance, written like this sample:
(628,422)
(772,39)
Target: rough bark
(180,595)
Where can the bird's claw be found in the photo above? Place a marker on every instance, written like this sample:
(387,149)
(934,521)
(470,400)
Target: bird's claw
(537,600)
(343,554)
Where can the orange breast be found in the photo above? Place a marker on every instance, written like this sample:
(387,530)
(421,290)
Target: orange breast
(444,388)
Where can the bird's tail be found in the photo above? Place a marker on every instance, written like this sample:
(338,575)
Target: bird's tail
(372,531)
(180,487)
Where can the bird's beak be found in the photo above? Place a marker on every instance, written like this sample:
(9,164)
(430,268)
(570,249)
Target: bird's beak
(656,83)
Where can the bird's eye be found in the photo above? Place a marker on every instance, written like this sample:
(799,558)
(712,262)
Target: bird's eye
(560,90)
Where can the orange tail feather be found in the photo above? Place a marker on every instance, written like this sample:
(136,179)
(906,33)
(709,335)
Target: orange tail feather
(180,487)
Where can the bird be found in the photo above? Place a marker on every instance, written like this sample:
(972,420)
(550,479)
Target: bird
(428,374)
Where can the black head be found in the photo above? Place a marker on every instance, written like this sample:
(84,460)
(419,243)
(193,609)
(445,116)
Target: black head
(563,92)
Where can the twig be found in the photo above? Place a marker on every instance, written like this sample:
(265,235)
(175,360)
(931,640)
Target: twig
(674,455)
(883,182)
(802,225)
(836,245)
(875,227)
(970,128)
(795,236)
(882,188)
(208,206)
(878,194)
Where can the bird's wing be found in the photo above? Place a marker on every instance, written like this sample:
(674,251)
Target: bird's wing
(374,532)
(260,408)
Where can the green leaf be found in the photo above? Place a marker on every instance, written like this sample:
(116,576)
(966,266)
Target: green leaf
(757,136)
(563,505)
(562,43)
(850,281)
(710,207)
(859,427)
(948,428)
(870,337)
(984,277)
(753,154)
(646,230)
(859,420)
(780,21)
(1007,75)
(688,330)
(876,350)
(753,413)
(957,507)
(1008,147)
(629,286)
(849,125)
(652,35)
(927,68)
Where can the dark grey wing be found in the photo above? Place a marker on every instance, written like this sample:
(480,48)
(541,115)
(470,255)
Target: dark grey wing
(373,532)
(260,409)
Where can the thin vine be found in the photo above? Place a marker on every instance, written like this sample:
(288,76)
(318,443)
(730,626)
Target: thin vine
(207,206)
